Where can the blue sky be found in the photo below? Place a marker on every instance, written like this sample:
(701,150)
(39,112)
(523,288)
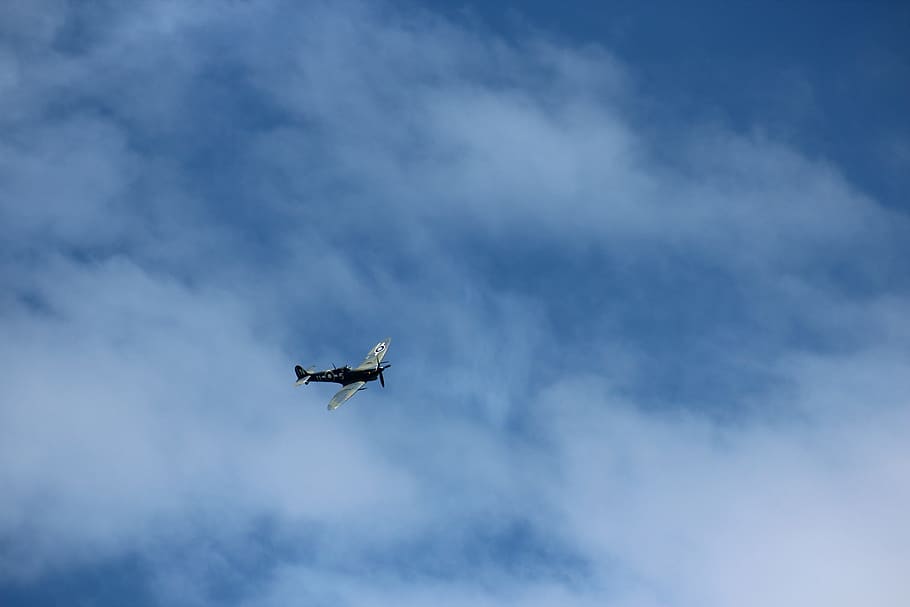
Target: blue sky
(644,270)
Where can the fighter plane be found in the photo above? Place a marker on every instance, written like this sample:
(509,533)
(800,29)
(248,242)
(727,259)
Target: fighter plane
(354,379)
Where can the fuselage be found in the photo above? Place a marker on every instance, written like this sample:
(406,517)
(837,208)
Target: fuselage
(344,375)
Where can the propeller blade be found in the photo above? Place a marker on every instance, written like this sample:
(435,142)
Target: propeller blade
(381,378)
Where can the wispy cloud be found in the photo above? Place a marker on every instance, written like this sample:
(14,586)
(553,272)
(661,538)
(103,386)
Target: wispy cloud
(632,366)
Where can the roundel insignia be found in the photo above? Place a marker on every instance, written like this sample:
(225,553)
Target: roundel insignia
(379,349)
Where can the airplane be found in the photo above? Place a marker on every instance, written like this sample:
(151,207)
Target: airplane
(354,379)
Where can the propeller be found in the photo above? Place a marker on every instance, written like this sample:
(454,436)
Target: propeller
(380,368)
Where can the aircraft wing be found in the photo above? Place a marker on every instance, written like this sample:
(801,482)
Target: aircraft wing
(344,394)
(374,357)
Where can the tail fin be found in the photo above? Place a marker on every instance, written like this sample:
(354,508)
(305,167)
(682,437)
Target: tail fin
(302,375)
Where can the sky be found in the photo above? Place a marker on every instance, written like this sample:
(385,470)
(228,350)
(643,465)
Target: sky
(644,269)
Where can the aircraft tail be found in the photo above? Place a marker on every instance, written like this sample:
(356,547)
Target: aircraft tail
(302,375)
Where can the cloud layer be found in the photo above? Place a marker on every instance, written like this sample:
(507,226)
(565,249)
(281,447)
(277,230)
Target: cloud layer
(633,366)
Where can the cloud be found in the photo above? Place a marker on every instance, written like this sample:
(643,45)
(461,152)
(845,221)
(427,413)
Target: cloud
(766,512)
(632,367)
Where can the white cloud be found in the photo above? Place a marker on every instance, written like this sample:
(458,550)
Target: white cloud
(148,324)
(779,512)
